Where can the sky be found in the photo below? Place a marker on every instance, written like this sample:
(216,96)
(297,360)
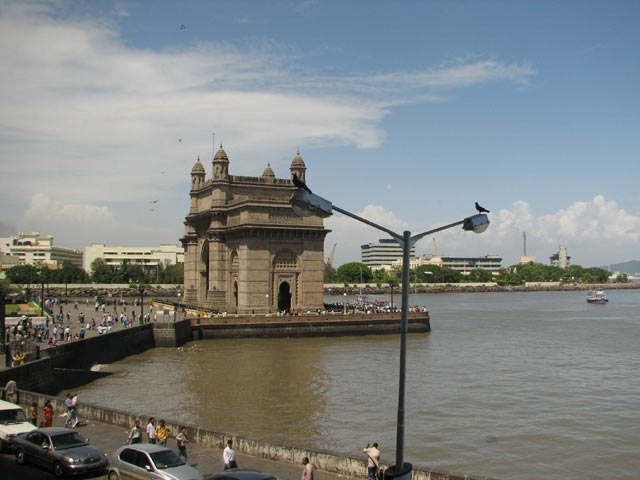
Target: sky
(405,113)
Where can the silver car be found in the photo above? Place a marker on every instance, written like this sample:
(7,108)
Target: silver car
(146,461)
(61,449)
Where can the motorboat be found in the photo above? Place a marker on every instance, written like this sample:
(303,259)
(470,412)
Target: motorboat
(597,296)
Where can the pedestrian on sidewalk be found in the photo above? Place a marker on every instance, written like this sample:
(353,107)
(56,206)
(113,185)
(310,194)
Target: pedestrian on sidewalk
(33,414)
(182,439)
(229,456)
(135,434)
(151,430)
(307,471)
(373,462)
(162,433)
(47,415)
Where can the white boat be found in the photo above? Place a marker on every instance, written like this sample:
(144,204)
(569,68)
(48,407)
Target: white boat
(597,296)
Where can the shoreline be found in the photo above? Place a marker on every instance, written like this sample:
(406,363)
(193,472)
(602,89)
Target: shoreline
(370,289)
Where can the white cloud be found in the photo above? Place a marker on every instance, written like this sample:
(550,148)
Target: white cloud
(596,232)
(44,209)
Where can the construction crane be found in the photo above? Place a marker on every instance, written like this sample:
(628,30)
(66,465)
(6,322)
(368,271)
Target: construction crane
(330,259)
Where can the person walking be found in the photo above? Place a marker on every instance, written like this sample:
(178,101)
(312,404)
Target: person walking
(373,462)
(47,415)
(307,471)
(229,456)
(135,434)
(10,391)
(162,433)
(151,430)
(182,439)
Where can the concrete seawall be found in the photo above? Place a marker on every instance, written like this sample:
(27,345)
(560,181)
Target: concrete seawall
(322,459)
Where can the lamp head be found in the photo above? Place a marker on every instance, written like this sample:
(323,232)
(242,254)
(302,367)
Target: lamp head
(476,223)
(306,204)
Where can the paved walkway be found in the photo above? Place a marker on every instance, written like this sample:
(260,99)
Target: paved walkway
(207,461)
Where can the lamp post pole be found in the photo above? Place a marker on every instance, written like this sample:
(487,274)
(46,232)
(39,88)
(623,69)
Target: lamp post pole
(268,305)
(306,204)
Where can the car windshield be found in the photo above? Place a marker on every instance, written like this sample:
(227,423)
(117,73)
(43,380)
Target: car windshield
(67,440)
(166,459)
(15,415)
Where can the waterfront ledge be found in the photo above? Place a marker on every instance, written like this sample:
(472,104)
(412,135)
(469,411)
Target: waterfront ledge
(321,459)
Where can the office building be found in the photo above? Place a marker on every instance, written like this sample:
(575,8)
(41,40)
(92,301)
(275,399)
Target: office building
(385,252)
(33,248)
(148,257)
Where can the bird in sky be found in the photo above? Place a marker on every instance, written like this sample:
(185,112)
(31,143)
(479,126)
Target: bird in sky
(154,201)
(182,27)
(299,183)
(481,209)
(179,139)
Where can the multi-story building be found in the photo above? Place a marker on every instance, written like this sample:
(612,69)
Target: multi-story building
(148,257)
(560,259)
(385,252)
(33,248)
(491,262)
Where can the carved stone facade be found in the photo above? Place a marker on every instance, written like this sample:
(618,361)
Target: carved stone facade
(246,250)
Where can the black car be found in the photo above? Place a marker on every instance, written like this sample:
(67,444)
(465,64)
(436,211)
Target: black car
(235,474)
(61,449)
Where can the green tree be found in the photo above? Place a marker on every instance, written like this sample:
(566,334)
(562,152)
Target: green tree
(353,272)
(23,274)
(479,275)
(172,273)
(330,274)
(101,272)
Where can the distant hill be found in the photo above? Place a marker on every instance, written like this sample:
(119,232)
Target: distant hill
(632,266)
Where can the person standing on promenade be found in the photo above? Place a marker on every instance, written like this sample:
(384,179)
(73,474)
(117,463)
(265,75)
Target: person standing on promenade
(10,391)
(373,462)
(162,433)
(151,430)
(47,415)
(229,456)
(135,434)
(33,414)
(182,439)
(307,471)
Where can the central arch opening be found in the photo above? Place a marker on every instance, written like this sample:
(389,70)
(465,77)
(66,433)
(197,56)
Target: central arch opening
(284,296)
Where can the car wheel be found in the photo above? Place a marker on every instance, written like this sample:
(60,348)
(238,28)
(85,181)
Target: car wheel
(20,457)
(58,471)
(113,475)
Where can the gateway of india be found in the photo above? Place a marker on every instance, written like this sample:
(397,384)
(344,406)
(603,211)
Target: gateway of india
(246,251)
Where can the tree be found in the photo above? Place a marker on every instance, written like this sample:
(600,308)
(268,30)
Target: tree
(353,272)
(101,272)
(330,274)
(172,273)
(23,274)
(479,275)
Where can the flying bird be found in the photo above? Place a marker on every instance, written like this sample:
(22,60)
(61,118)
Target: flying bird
(182,27)
(299,183)
(481,209)
(154,201)
(179,139)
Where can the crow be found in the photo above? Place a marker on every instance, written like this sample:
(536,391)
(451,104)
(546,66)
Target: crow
(299,183)
(481,209)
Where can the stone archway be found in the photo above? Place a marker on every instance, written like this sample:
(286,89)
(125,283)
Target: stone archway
(284,296)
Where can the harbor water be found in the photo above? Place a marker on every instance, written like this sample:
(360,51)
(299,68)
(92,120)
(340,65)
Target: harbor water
(526,386)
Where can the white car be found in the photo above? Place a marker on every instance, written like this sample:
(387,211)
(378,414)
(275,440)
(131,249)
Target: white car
(13,421)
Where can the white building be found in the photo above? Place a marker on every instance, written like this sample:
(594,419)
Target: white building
(149,257)
(491,262)
(374,255)
(33,248)
(560,259)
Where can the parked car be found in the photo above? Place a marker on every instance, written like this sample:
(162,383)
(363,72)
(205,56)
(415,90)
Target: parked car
(61,449)
(13,421)
(235,474)
(145,460)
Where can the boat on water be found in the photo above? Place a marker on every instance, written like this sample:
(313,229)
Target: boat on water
(597,296)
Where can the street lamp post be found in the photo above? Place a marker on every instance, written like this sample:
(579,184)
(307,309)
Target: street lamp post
(268,304)
(344,304)
(305,203)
